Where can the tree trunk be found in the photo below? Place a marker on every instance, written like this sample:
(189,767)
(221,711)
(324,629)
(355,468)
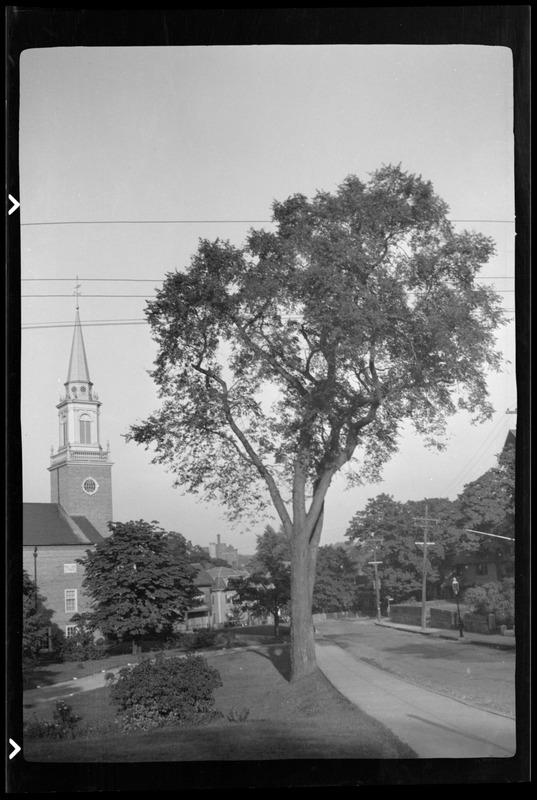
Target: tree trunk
(136,647)
(276,624)
(303,660)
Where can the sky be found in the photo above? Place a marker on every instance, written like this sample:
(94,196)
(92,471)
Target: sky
(130,155)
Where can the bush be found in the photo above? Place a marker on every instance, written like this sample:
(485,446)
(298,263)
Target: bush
(165,691)
(63,725)
(496,598)
(178,641)
(81,647)
(204,637)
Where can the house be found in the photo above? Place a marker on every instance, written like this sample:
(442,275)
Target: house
(222,595)
(200,616)
(56,534)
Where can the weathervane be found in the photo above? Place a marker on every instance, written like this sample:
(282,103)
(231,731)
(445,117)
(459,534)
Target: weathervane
(77,291)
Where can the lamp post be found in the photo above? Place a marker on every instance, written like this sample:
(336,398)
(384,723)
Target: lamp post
(455,589)
(35,576)
(389,599)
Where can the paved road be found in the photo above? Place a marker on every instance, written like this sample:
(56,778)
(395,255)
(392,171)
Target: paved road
(433,725)
(482,676)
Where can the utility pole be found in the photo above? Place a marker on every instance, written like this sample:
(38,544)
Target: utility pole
(424,522)
(376,543)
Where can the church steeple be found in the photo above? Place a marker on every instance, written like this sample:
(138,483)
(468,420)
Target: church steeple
(80,469)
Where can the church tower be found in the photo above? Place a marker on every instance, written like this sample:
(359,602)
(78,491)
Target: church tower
(81,470)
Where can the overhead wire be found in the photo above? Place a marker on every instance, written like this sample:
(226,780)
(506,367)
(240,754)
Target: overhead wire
(206,221)
(477,457)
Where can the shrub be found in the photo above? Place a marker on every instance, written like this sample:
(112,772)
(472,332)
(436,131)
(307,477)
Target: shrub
(496,598)
(81,647)
(204,637)
(238,716)
(178,641)
(63,725)
(165,691)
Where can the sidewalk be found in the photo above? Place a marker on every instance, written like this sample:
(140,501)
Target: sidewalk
(433,725)
(487,640)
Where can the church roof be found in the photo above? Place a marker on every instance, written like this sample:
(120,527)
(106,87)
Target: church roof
(48,524)
(78,363)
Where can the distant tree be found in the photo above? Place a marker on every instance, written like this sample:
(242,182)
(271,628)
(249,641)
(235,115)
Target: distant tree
(140,585)
(36,619)
(395,524)
(488,505)
(266,590)
(497,597)
(335,583)
(304,352)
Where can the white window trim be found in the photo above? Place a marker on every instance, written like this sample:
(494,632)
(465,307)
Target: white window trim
(70,631)
(73,595)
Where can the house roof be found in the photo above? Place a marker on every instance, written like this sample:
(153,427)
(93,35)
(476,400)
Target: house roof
(202,577)
(224,572)
(221,575)
(511,438)
(45,524)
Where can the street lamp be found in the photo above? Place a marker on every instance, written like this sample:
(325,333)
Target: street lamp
(35,577)
(455,589)
(389,599)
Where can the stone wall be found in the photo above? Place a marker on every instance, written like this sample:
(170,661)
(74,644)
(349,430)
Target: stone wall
(479,623)
(406,615)
(443,618)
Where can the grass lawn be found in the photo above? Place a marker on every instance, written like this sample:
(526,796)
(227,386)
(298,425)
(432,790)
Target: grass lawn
(305,720)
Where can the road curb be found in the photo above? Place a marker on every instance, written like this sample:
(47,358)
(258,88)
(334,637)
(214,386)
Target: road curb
(437,633)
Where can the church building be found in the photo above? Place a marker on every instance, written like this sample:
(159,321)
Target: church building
(55,534)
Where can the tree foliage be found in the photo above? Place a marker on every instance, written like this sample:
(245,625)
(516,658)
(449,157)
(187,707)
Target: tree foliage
(496,598)
(488,505)
(138,583)
(335,582)
(304,352)
(36,618)
(399,528)
(266,590)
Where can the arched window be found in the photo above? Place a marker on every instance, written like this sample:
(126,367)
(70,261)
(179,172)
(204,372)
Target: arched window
(85,429)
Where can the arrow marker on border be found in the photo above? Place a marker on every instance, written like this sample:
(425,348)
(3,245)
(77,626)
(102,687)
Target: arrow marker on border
(16,750)
(15,205)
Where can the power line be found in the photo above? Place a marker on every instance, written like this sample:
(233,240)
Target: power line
(470,463)
(86,280)
(206,222)
(90,324)
(153,222)
(85,295)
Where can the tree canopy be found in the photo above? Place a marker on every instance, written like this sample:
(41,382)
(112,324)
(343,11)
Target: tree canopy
(304,352)
(36,618)
(266,590)
(335,582)
(139,581)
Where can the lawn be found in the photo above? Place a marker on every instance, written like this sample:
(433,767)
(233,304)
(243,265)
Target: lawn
(263,717)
